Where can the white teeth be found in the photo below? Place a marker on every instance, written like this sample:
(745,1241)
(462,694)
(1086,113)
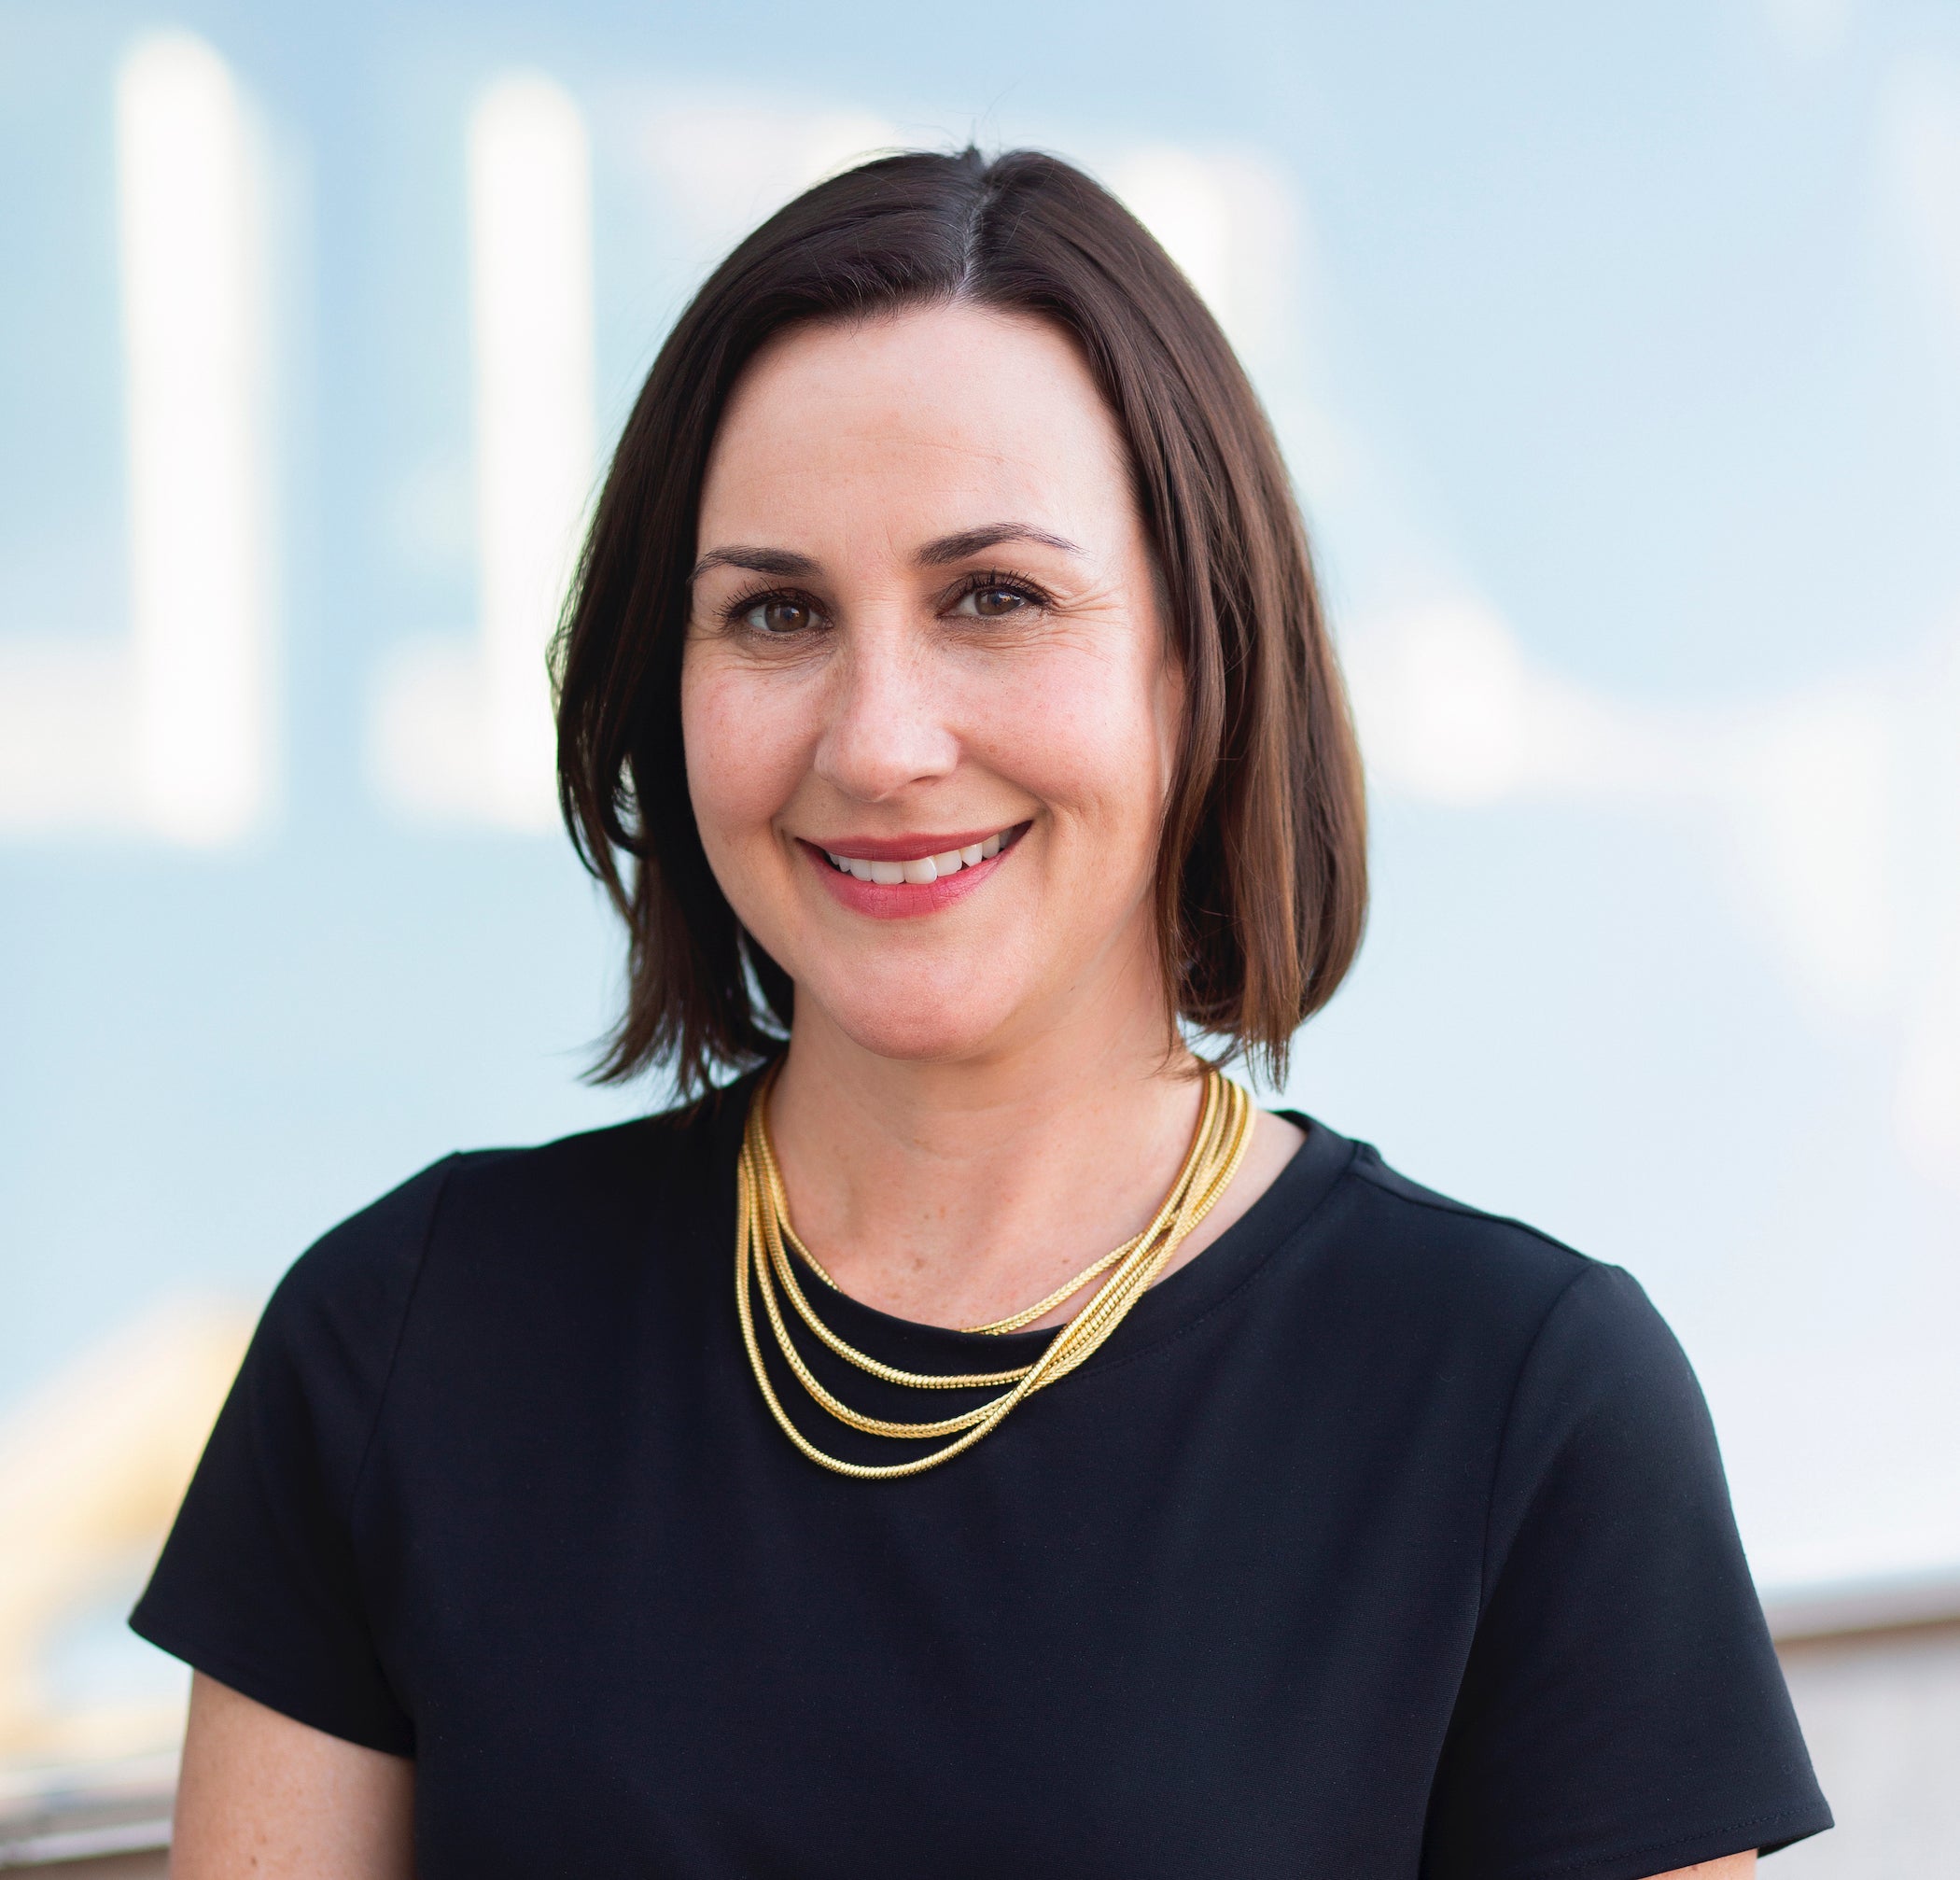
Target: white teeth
(920,870)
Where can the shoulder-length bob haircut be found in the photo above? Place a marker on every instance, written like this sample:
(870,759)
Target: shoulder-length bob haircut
(1262,877)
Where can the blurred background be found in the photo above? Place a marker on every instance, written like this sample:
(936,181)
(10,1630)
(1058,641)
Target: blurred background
(1617,353)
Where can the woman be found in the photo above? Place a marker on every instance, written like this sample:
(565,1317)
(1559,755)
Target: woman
(945,693)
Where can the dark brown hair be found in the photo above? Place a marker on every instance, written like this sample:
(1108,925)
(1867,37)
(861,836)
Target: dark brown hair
(1262,874)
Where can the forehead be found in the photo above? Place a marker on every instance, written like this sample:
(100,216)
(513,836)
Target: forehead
(922,422)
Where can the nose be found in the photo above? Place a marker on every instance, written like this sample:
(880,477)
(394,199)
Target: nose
(887,723)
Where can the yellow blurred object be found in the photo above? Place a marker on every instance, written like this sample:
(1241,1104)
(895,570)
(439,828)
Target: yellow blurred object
(91,1468)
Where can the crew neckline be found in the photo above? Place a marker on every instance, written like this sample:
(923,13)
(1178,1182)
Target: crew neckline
(1282,1210)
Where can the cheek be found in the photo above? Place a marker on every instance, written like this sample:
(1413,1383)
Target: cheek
(744,747)
(1089,729)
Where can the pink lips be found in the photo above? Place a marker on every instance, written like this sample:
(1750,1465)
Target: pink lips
(905,900)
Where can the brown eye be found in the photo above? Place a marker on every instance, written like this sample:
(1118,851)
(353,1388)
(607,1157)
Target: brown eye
(777,617)
(997,603)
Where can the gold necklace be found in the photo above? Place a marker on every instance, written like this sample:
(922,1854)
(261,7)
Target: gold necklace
(763,1241)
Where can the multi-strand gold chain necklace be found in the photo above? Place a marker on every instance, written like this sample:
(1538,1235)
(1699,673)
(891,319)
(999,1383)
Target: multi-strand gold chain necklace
(764,1241)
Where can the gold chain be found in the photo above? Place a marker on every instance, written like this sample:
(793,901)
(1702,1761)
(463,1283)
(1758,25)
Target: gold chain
(764,1241)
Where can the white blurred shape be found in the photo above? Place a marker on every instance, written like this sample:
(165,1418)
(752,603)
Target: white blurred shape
(531,318)
(172,732)
(67,713)
(1233,219)
(1926,1111)
(193,335)
(465,731)
(1813,794)
(1450,711)
(1228,220)
(429,734)
(1441,699)
(723,167)
(92,1468)
(1184,202)
(1808,30)
(1920,117)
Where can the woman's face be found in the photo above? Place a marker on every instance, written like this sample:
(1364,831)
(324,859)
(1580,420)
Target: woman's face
(930,711)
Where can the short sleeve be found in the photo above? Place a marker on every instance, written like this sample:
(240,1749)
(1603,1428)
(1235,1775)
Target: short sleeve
(259,1584)
(1622,1712)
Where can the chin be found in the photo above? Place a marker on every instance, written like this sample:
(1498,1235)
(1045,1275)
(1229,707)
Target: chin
(919,1025)
(920,1038)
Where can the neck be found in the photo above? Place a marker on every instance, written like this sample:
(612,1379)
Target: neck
(954,1193)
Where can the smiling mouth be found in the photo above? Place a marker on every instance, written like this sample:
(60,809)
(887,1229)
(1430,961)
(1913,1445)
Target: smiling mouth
(920,870)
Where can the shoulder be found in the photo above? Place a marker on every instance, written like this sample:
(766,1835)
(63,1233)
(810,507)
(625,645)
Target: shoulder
(1406,1235)
(1580,1393)
(1590,1366)
(658,1175)
(1435,1227)
(358,1281)
(1458,1277)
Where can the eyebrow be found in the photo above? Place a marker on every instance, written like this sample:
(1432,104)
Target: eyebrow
(966,541)
(938,552)
(758,560)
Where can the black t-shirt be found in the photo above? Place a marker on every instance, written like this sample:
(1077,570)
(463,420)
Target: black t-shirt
(1384,1539)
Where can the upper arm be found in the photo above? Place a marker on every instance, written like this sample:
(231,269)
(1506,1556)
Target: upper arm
(1729,1867)
(263,1795)
(1621,1703)
(262,1581)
